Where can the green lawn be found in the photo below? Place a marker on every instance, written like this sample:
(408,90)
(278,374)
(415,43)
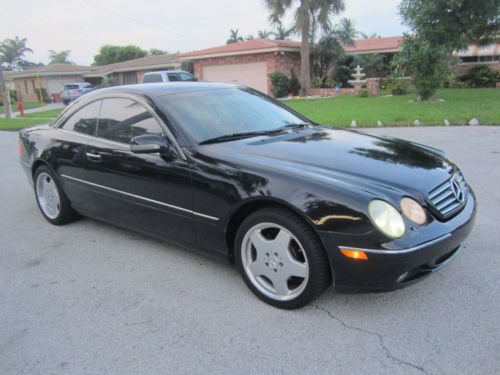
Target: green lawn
(28,105)
(51,113)
(20,123)
(459,107)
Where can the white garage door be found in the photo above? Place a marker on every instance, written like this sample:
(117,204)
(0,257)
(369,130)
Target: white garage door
(253,75)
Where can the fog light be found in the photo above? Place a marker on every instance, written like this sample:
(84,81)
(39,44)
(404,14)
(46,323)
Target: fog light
(354,254)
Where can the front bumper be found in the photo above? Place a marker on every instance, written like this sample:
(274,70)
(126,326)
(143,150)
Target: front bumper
(389,268)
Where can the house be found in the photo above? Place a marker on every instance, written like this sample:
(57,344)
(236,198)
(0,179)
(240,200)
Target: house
(247,63)
(52,78)
(132,71)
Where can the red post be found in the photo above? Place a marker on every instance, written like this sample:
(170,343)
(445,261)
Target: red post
(20,109)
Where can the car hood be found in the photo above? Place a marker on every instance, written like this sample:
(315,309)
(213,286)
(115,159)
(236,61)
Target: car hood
(348,157)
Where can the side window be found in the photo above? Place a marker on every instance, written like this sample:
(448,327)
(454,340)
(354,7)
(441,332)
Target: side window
(152,78)
(123,119)
(187,77)
(85,120)
(173,77)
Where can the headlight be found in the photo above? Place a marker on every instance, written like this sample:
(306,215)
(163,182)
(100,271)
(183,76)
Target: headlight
(413,211)
(387,218)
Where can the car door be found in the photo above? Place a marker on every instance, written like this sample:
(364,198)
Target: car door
(67,150)
(150,193)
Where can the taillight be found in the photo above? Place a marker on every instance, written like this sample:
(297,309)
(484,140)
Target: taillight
(21,149)
(78,91)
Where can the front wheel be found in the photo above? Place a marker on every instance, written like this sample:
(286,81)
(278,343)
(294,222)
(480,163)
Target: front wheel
(280,259)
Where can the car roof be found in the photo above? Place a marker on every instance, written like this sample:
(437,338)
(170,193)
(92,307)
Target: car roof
(162,88)
(166,71)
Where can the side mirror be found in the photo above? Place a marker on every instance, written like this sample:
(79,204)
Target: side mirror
(149,144)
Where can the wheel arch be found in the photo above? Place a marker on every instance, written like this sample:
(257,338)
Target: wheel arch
(250,206)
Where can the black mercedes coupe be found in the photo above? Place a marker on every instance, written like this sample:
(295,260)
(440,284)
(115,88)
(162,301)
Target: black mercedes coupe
(234,173)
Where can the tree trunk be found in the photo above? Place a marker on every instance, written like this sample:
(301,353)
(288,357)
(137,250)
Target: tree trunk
(5,93)
(305,71)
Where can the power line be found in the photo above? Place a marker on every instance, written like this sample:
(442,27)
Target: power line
(42,18)
(149,24)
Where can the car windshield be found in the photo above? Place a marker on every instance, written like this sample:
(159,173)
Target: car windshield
(212,114)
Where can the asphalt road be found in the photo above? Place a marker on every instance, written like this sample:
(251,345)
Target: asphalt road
(89,298)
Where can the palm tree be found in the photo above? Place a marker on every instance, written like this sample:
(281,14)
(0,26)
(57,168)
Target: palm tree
(346,31)
(306,13)
(369,36)
(282,33)
(249,37)
(13,50)
(60,57)
(264,34)
(375,64)
(234,37)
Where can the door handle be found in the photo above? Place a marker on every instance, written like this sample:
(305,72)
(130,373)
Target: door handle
(93,157)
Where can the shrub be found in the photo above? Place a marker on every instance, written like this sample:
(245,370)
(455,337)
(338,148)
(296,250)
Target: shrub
(42,95)
(398,86)
(109,80)
(363,93)
(13,96)
(188,66)
(480,76)
(280,84)
(294,85)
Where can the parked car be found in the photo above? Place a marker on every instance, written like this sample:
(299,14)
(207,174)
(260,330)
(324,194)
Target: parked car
(168,76)
(72,91)
(235,173)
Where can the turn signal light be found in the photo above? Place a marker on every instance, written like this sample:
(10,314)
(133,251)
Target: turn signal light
(354,254)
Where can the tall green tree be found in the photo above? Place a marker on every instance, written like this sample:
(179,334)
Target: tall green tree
(12,51)
(438,28)
(234,36)
(156,51)
(307,13)
(109,54)
(59,57)
(347,29)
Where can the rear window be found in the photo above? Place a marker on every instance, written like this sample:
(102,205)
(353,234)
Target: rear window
(71,87)
(149,78)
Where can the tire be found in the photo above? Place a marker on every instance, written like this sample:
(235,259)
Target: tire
(281,259)
(65,102)
(51,199)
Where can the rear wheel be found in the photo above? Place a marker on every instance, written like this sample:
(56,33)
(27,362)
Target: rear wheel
(281,259)
(52,201)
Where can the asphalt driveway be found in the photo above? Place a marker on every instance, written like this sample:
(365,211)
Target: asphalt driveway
(89,298)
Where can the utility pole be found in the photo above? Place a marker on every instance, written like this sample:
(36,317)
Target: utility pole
(5,93)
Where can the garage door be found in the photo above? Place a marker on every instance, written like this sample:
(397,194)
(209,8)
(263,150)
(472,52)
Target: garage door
(253,75)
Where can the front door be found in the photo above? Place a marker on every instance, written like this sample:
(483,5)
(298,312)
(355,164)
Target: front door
(149,193)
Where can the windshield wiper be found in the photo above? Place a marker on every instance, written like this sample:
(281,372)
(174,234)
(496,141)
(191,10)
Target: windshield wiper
(235,136)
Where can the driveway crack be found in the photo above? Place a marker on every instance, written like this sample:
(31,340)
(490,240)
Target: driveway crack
(380,338)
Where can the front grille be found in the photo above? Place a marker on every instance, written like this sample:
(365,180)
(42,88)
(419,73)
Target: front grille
(449,196)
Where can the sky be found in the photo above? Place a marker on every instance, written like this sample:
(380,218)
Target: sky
(82,26)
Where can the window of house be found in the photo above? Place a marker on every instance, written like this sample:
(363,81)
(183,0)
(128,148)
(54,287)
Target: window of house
(129,78)
(123,119)
(26,86)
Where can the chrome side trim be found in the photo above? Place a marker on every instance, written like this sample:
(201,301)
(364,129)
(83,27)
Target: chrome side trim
(141,198)
(402,251)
